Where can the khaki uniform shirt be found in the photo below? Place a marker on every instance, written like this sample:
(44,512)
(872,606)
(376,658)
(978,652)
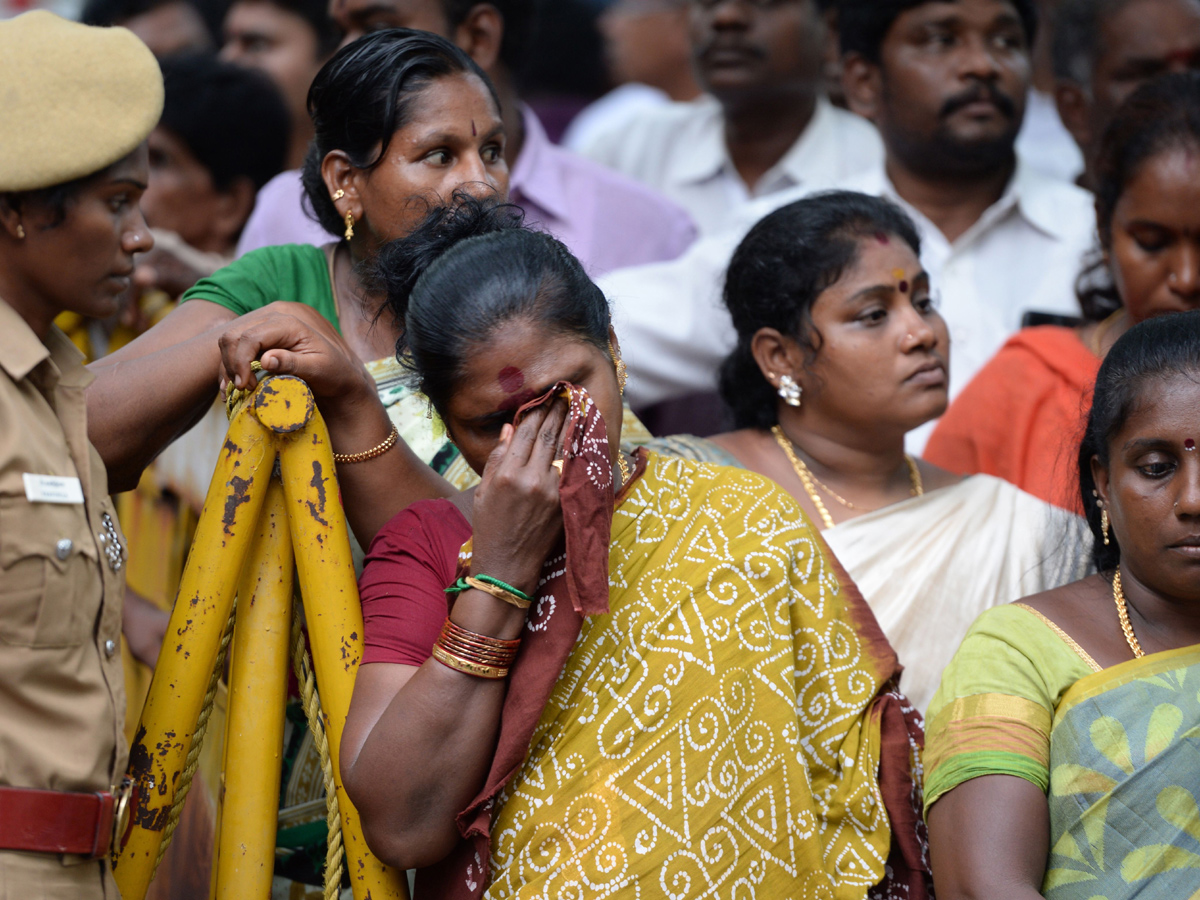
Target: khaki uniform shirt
(62,696)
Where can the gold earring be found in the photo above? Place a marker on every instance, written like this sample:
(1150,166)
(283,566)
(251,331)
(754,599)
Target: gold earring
(622,372)
(349,224)
(20,231)
(1104,525)
(339,194)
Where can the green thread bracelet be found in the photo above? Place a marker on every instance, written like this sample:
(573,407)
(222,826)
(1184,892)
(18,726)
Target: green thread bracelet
(461,585)
(496,582)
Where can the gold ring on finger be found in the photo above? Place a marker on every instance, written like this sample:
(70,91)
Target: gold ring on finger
(558,466)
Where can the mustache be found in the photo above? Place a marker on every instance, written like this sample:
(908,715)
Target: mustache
(981,91)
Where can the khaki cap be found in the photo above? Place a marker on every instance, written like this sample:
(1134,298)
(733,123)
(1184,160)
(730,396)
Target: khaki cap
(74,99)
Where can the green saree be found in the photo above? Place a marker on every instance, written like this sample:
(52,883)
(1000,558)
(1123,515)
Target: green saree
(1125,782)
(1116,750)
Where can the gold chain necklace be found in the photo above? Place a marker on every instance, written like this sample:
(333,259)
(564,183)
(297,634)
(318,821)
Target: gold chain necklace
(810,482)
(1123,616)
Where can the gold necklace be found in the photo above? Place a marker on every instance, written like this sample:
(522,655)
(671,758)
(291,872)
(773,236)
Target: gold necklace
(1123,616)
(810,481)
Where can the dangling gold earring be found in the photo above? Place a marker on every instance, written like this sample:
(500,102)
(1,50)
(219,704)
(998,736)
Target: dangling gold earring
(1104,525)
(622,373)
(349,224)
(20,231)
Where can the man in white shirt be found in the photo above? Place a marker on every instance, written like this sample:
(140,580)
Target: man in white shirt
(945,82)
(765,127)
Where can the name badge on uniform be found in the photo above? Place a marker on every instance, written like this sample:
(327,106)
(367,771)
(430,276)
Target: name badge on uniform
(52,489)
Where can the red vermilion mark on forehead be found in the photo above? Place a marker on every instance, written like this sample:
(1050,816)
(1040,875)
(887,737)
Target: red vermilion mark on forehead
(511,379)
(882,238)
(473,132)
(1189,444)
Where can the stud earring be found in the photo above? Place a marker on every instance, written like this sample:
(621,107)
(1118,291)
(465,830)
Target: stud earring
(622,372)
(349,224)
(789,390)
(20,231)
(339,194)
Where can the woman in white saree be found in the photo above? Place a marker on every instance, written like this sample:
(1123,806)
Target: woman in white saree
(840,353)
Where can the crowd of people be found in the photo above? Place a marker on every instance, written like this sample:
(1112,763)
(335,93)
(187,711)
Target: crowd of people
(784,485)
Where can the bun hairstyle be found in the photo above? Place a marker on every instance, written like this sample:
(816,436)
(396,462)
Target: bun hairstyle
(469,268)
(1160,116)
(364,95)
(777,273)
(1157,349)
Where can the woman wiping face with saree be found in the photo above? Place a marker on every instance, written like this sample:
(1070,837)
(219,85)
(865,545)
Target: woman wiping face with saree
(1063,740)
(652,678)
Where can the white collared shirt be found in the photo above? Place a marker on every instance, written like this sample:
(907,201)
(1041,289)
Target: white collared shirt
(679,150)
(1024,253)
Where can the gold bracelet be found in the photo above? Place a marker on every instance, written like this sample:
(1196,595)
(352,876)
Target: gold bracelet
(498,592)
(377,450)
(466,667)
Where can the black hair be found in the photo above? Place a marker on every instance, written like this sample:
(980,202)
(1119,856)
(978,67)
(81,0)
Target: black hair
(316,14)
(469,268)
(520,20)
(56,198)
(363,96)
(232,119)
(1155,350)
(1161,115)
(118,12)
(864,24)
(780,269)
(1076,46)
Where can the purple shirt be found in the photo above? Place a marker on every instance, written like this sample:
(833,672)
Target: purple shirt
(607,220)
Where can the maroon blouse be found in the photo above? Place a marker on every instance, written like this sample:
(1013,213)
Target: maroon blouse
(411,562)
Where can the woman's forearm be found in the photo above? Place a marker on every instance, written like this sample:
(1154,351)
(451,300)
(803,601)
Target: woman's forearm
(374,490)
(153,390)
(424,762)
(427,756)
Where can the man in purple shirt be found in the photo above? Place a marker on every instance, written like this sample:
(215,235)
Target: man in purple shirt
(607,220)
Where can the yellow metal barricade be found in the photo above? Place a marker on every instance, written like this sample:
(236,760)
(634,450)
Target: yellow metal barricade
(252,531)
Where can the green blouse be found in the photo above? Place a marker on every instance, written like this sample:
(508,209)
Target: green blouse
(993,711)
(295,272)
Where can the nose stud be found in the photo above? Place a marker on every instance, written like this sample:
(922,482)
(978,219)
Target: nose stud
(1189,445)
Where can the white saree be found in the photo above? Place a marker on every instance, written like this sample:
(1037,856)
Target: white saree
(930,565)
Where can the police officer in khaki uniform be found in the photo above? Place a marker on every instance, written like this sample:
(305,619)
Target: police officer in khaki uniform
(76,105)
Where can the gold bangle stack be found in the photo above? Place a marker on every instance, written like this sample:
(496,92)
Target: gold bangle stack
(377,450)
(498,592)
(474,654)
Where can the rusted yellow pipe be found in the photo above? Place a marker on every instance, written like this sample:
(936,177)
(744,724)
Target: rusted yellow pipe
(189,651)
(257,696)
(335,625)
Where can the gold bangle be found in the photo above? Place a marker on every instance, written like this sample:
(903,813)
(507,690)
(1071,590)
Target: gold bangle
(468,668)
(377,450)
(498,592)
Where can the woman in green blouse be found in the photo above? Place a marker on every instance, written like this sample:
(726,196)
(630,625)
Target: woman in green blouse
(1063,746)
(404,120)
